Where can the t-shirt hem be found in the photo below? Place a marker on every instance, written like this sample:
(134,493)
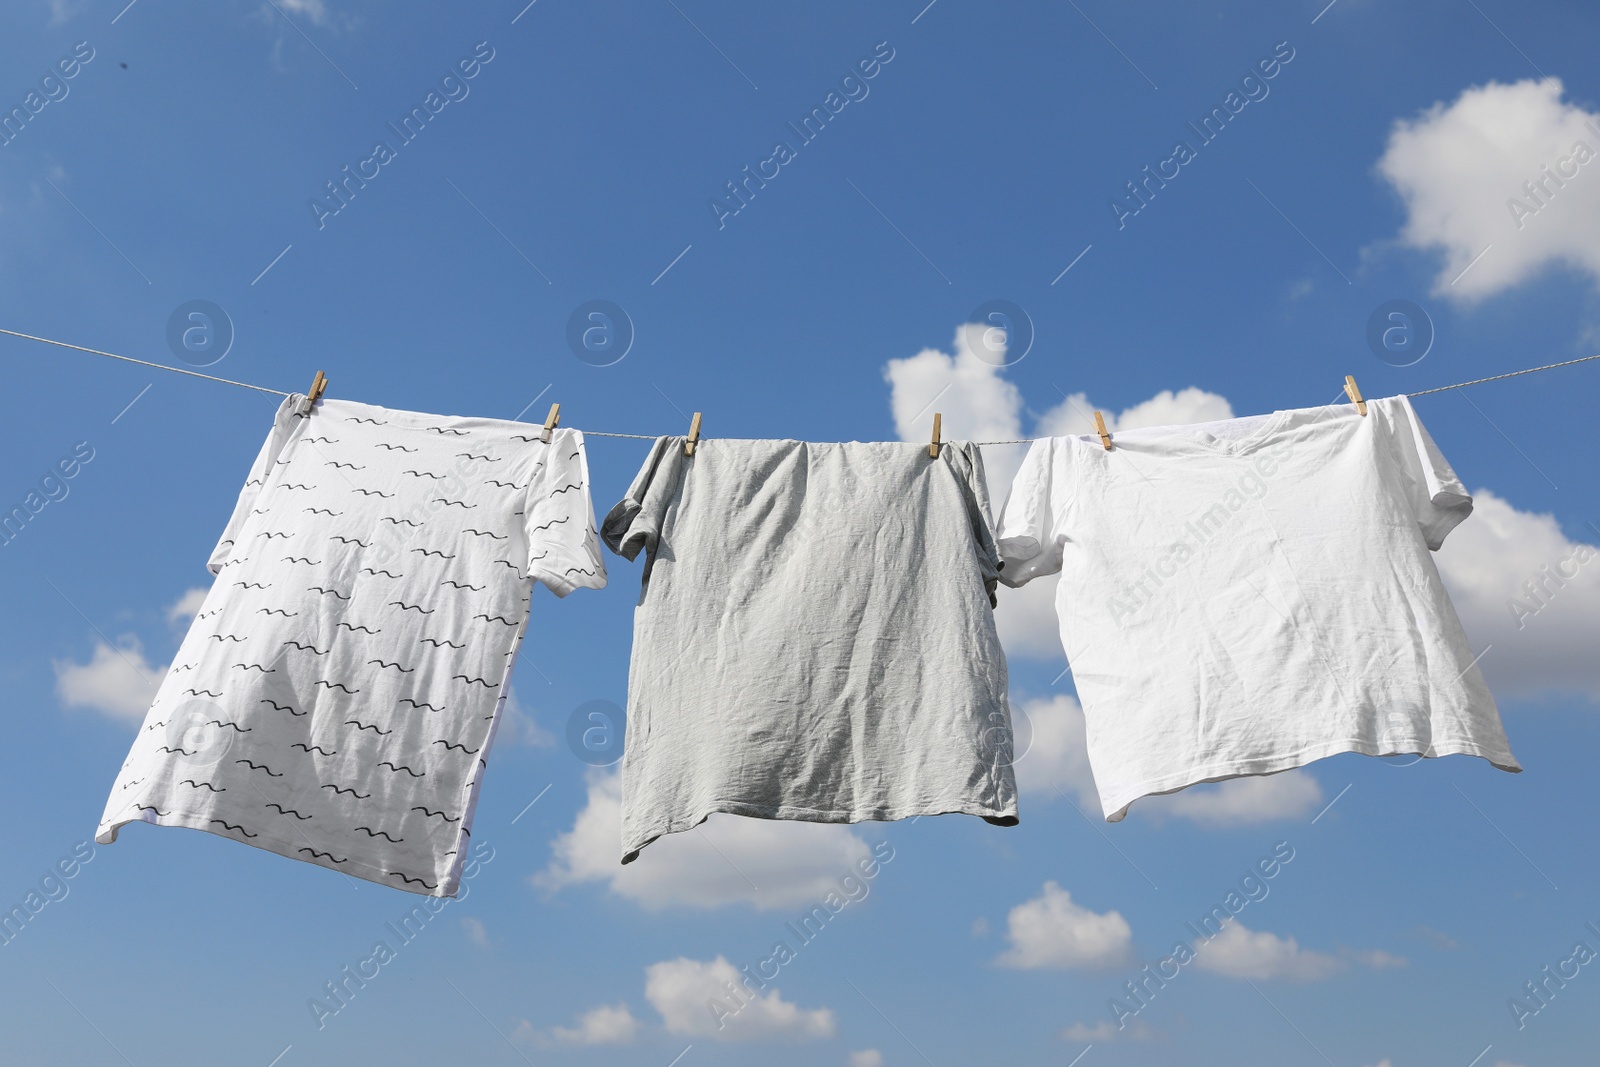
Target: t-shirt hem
(1002,815)
(1117,802)
(282,846)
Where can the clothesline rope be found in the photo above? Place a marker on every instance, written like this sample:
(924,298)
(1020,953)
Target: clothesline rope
(652,437)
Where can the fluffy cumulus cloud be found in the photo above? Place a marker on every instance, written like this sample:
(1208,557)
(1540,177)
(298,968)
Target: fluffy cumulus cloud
(1508,168)
(1054,932)
(187,606)
(1239,952)
(697,998)
(759,863)
(1241,801)
(117,681)
(609,1024)
(1529,595)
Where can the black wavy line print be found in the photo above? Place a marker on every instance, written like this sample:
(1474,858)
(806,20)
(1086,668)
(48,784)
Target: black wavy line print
(277,611)
(408,880)
(257,667)
(338,789)
(253,585)
(302,559)
(226,637)
(375,492)
(236,727)
(462,585)
(484,533)
(176,751)
(564,488)
(351,541)
(152,807)
(370,832)
(430,814)
(524,437)
(424,474)
(474,455)
(552,522)
(336,464)
(269,535)
(375,422)
(337,685)
(432,552)
(325,591)
(411,607)
(295,485)
(402,522)
(289,811)
(202,693)
(513,566)
(323,511)
(504,485)
(494,618)
(314,748)
(315,854)
(419,704)
(320,440)
(254,766)
(451,746)
(396,448)
(197,785)
(441,432)
(454,503)
(479,681)
(235,827)
(281,707)
(308,648)
(397,768)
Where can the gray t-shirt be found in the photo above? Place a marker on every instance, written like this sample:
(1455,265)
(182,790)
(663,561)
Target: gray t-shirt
(814,638)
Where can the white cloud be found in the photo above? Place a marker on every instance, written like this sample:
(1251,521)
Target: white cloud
(188,605)
(1383,1063)
(697,999)
(976,403)
(1056,759)
(1075,414)
(609,1024)
(765,864)
(476,931)
(316,11)
(1461,170)
(1051,931)
(1375,958)
(518,726)
(118,682)
(1241,801)
(1239,952)
(1521,586)
(867,1057)
(1106,1030)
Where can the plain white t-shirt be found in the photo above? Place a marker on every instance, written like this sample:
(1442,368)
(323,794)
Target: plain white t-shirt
(1247,596)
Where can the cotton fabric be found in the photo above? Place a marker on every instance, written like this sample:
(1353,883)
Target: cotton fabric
(337,694)
(1247,596)
(814,638)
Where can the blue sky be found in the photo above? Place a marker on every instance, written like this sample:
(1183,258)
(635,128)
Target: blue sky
(981,160)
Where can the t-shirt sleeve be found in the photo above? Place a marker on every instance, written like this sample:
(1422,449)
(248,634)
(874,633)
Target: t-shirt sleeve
(967,460)
(634,524)
(283,425)
(1437,499)
(1030,545)
(563,550)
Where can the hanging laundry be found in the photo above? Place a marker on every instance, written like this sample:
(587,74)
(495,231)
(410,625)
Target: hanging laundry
(814,638)
(1247,596)
(337,694)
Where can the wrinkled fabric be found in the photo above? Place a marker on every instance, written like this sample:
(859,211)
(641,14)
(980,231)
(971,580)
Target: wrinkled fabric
(814,638)
(1247,596)
(337,694)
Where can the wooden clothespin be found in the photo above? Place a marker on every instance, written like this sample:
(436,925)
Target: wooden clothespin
(1353,391)
(318,385)
(694,435)
(1100,428)
(933,449)
(550,421)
